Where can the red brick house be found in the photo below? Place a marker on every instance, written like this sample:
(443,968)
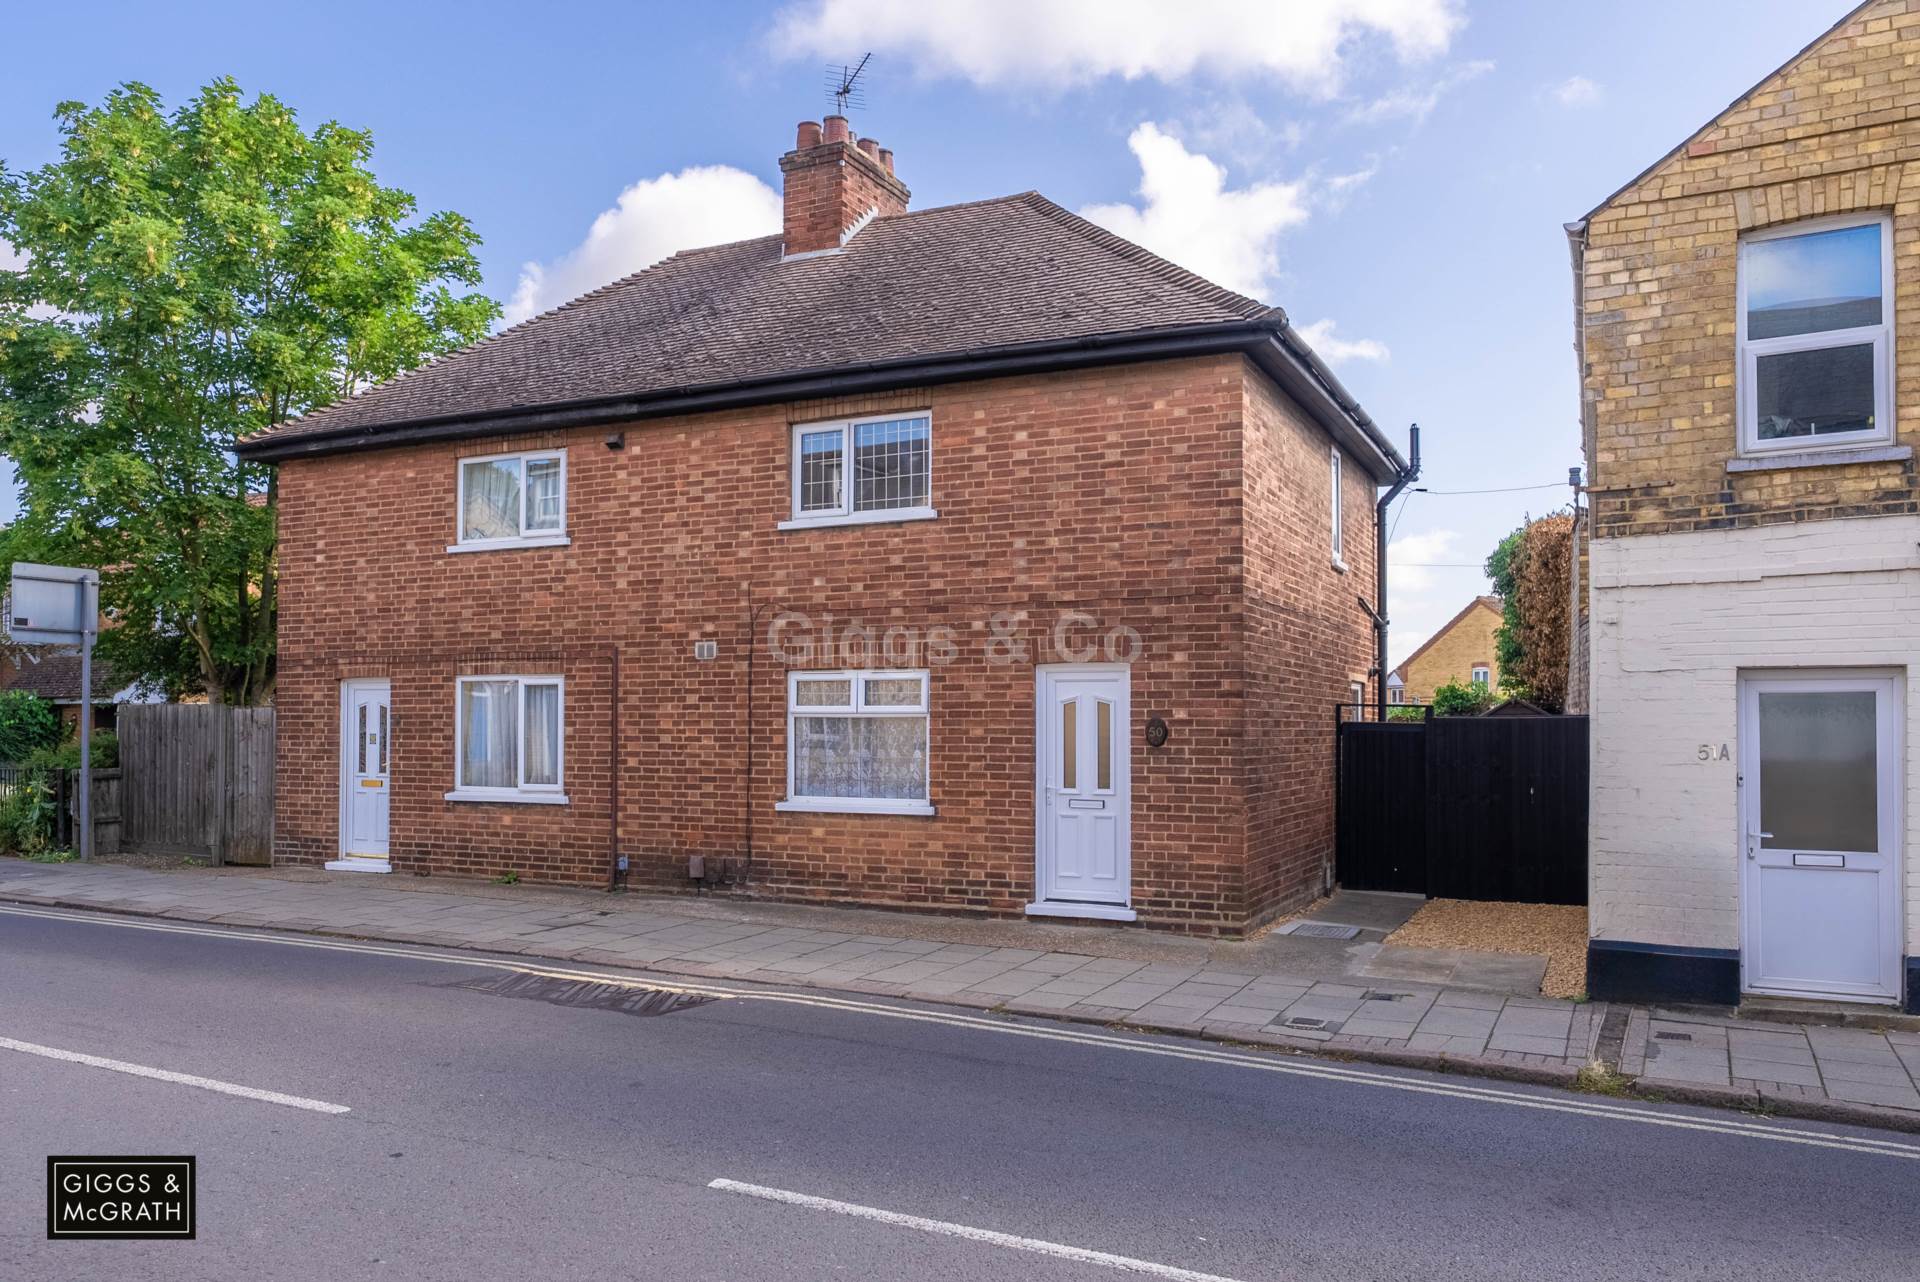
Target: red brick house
(971,559)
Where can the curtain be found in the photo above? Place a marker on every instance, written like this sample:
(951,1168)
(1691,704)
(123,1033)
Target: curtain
(875,757)
(543,734)
(545,508)
(492,500)
(489,726)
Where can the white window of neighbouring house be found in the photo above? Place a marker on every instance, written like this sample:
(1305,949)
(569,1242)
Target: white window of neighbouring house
(512,500)
(878,468)
(1337,541)
(1482,676)
(1815,335)
(857,741)
(508,739)
(1396,694)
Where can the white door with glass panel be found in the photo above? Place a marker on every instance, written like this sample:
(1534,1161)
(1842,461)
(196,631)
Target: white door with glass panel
(365,719)
(1083,864)
(1820,810)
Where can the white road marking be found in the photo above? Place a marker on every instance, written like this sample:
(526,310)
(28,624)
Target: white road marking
(946,1228)
(1267,1062)
(167,1075)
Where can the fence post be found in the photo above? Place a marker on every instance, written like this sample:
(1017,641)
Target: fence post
(62,821)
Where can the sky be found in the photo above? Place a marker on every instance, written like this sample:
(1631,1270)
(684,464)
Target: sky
(1394,173)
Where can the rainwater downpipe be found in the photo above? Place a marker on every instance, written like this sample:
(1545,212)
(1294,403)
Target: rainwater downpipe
(1379,609)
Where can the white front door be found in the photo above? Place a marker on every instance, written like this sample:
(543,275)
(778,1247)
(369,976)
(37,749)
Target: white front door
(1085,811)
(364,720)
(1820,841)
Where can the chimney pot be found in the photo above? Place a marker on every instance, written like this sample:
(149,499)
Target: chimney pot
(886,159)
(809,135)
(870,146)
(834,128)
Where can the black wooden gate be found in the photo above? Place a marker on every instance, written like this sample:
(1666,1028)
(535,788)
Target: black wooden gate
(1465,808)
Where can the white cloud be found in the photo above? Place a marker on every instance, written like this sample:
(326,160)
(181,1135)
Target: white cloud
(1188,214)
(1417,104)
(656,217)
(1334,350)
(1576,91)
(1305,44)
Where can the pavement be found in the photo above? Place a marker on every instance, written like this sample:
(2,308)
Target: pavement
(1466,1012)
(504,1123)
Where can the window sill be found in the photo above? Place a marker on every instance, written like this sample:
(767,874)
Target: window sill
(1339,565)
(887,516)
(1835,456)
(510,798)
(501,545)
(854,806)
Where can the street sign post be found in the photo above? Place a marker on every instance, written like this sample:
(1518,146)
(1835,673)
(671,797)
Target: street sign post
(60,605)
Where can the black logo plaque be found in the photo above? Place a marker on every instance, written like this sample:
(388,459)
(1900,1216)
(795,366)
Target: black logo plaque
(120,1197)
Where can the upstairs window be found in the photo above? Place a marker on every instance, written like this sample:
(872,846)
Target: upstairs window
(1337,540)
(1482,675)
(878,468)
(513,500)
(1815,326)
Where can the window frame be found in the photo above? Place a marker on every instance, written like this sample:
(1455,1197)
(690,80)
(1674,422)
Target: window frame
(1481,674)
(856,707)
(1749,351)
(548,794)
(526,538)
(1338,534)
(844,513)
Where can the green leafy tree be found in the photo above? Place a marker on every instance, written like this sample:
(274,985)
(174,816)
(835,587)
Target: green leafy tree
(28,723)
(1508,653)
(190,278)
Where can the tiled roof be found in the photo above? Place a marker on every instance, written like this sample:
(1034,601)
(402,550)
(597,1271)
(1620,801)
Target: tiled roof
(940,282)
(54,674)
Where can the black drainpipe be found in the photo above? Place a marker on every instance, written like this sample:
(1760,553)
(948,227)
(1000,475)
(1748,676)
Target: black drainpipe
(1379,609)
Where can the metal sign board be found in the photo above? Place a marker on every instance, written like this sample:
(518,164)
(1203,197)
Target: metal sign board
(51,604)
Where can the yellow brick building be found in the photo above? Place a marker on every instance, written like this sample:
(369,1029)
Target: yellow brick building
(1461,651)
(1748,324)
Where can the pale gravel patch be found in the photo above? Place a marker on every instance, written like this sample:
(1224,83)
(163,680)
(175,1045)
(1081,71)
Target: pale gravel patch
(1557,930)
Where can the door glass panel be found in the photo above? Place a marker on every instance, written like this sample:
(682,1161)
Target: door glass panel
(1103,726)
(1070,744)
(1819,777)
(383,738)
(360,742)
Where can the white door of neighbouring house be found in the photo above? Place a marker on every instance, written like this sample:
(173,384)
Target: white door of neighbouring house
(1083,861)
(1820,842)
(364,719)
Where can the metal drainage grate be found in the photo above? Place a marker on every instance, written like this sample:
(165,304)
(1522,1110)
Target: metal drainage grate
(1674,1037)
(1318,930)
(627,999)
(1301,1021)
(1371,996)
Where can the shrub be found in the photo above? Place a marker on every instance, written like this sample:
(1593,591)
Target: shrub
(105,747)
(29,809)
(27,724)
(1456,700)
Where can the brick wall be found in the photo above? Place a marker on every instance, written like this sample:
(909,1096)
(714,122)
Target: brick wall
(1837,132)
(1115,493)
(1453,653)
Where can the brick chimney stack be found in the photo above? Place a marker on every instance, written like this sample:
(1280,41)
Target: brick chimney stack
(834,183)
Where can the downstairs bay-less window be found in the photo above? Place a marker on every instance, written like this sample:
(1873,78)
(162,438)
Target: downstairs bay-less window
(1815,335)
(508,739)
(857,741)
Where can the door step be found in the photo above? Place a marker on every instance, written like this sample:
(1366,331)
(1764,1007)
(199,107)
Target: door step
(1805,1010)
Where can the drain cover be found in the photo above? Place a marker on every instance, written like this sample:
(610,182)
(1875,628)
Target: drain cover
(1318,930)
(1674,1037)
(1301,1021)
(628,999)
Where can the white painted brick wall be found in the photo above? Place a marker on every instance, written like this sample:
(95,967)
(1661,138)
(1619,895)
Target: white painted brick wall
(1676,618)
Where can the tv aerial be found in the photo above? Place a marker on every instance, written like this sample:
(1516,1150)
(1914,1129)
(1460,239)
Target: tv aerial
(844,86)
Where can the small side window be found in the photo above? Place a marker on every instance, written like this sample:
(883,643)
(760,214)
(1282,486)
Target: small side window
(1338,542)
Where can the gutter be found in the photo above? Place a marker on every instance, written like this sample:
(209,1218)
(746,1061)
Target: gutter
(1268,340)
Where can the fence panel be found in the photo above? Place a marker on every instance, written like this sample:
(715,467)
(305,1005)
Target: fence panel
(197,779)
(1488,808)
(1381,823)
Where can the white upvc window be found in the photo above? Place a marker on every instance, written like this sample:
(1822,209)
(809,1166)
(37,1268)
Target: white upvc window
(1815,334)
(511,501)
(857,742)
(862,470)
(1338,540)
(1482,675)
(1396,694)
(508,739)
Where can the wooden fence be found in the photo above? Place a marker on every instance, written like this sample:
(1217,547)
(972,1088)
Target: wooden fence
(197,779)
(1465,808)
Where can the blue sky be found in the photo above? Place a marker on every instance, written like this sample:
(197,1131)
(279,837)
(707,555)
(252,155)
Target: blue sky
(1395,173)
